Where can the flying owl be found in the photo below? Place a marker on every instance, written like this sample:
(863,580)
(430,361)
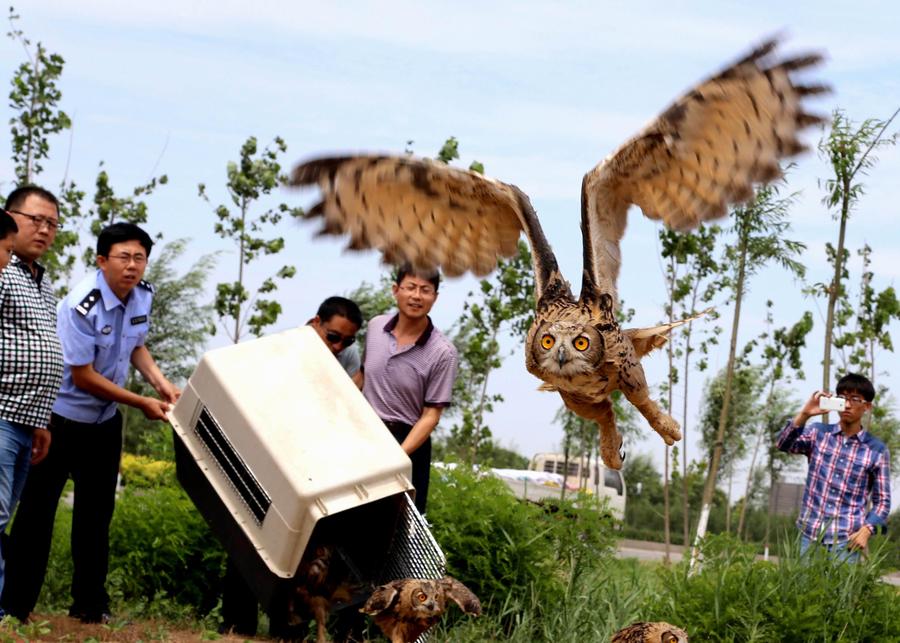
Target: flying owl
(405,608)
(650,633)
(703,153)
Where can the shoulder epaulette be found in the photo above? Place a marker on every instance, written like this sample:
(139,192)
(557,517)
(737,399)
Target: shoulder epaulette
(146,285)
(84,306)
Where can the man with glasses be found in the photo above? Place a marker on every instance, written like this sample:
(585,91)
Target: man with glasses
(410,368)
(103,323)
(31,361)
(848,485)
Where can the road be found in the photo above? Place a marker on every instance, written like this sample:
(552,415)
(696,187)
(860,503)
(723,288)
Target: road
(645,550)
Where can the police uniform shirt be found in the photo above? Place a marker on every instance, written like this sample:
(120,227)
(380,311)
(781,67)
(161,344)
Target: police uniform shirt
(96,327)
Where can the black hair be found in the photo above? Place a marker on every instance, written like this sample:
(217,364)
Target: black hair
(119,233)
(408,270)
(17,197)
(340,306)
(7,224)
(856,383)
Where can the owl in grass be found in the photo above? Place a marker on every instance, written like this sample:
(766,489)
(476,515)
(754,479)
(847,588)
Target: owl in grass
(658,632)
(704,153)
(403,609)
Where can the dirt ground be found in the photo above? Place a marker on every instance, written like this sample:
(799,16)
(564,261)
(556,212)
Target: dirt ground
(63,628)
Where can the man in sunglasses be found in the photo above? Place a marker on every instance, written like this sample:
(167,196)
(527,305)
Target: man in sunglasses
(31,361)
(337,321)
(102,325)
(849,471)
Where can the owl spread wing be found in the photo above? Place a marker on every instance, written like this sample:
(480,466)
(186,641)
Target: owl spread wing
(461,595)
(646,340)
(705,152)
(424,212)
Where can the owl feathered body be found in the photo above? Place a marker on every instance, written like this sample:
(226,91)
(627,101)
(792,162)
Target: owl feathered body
(658,632)
(405,608)
(703,153)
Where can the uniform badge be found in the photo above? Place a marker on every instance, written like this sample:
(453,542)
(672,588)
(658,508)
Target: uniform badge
(140,319)
(106,330)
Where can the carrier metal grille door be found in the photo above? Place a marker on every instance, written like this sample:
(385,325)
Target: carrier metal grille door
(232,465)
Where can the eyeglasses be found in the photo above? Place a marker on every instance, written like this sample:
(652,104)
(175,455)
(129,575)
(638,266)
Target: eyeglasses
(426,291)
(39,221)
(855,399)
(139,260)
(334,337)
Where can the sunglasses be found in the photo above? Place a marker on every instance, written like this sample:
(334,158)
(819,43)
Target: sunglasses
(334,337)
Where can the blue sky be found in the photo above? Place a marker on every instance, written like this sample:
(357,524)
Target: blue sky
(537,91)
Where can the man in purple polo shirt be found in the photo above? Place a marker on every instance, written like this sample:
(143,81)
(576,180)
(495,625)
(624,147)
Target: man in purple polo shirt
(848,469)
(409,370)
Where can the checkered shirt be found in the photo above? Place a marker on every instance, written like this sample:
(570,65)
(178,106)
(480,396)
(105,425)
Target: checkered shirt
(31,364)
(845,474)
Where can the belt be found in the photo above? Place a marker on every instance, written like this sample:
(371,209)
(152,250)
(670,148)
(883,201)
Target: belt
(397,427)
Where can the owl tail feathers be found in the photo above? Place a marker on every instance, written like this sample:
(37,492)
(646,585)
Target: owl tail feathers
(646,340)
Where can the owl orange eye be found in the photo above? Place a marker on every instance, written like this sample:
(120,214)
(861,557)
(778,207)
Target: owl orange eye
(421,597)
(547,342)
(581,343)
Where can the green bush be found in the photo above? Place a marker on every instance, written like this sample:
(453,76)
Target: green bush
(160,546)
(516,556)
(734,597)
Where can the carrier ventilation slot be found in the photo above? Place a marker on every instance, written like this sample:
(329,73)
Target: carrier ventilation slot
(232,465)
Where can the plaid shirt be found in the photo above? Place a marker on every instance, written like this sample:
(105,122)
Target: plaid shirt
(31,364)
(844,473)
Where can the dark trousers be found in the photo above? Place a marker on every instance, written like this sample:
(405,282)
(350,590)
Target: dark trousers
(240,612)
(90,454)
(421,463)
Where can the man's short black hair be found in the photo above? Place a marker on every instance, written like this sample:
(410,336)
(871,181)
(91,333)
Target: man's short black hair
(119,233)
(408,270)
(856,383)
(340,306)
(7,225)
(17,197)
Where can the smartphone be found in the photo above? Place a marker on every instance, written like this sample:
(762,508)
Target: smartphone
(833,403)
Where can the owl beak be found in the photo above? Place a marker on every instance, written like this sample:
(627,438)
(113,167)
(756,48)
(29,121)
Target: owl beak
(561,356)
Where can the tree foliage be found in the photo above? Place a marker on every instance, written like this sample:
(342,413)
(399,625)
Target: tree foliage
(254,176)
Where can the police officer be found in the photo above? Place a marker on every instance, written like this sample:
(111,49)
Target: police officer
(102,324)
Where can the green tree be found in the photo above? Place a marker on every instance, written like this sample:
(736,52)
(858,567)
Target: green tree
(781,347)
(759,229)
(504,302)
(690,264)
(254,176)
(849,148)
(372,301)
(34,100)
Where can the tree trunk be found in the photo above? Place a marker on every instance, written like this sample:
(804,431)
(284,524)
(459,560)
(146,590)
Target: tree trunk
(684,424)
(710,485)
(670,350)
(237,317)
(759,439)
(479,413)
(835,287)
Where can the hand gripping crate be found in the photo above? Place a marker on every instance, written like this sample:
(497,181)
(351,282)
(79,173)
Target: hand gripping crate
(277,447)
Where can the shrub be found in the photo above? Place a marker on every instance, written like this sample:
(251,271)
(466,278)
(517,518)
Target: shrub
(160,546)
(521,559)
(734,597)
(142,472)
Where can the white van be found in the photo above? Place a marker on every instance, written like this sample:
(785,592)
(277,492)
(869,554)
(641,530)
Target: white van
(548,472)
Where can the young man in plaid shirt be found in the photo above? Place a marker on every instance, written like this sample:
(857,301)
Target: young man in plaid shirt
(849,469)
